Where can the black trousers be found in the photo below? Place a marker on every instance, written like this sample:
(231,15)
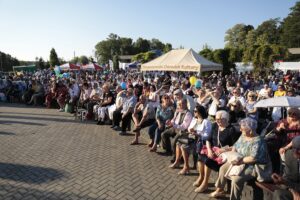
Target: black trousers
(117,118)
(166,139)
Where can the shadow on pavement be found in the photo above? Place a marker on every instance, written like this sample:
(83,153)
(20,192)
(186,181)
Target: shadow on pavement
(21,122)
(29,174)
(20,193)
(6,133)
(40,118)
(27,113)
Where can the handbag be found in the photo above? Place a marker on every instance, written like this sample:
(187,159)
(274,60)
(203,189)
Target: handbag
(186,138)
(234,170)
(218,159)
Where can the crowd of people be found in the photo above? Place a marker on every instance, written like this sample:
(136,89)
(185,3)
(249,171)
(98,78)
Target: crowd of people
(215,122)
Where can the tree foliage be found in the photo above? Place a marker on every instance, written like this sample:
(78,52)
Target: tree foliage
(114,46)
(53,58)
(40,63)
(144,57)
(7,62)
(236,36)
(83,60)
(290,36)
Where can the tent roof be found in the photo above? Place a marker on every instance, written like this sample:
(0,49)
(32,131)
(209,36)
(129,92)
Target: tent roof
(24,66)
(181,60)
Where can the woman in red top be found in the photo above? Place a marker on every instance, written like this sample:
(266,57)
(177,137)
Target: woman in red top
(61,94)
(291,127)
(50,94)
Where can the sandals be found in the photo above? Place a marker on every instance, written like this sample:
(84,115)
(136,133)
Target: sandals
(134,142)
(217,194)
(201,189)
(150,144)
(152,149)
(184,172)
(196,184)
(174,166)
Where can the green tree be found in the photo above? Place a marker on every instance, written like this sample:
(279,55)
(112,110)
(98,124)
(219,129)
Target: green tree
(222,56)
(167,48)
(75,60)
(83,60)
(265,55)
(148,56)
(207,52)
(53,58)
(115,60)
(141,45)
(126,46)
(290,36)
(40,63)
(270,29)
(236,36)
(106,49)
(156,44)
(235,55)
(7,62)
(144,57)
(138,57)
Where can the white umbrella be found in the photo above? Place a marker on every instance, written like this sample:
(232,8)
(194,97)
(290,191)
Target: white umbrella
(284,101)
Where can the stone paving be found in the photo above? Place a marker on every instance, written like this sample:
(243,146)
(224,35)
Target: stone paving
(46,154)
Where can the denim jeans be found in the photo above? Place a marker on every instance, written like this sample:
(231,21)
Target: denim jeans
(155,133)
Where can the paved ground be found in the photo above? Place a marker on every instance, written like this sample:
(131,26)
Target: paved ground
(48,155)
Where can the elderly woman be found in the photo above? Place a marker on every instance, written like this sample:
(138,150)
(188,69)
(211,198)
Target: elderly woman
(223,135)
(50,95)
(61,92)
(143,116)
(200,127)
(236,112)
(164,112)
(252,150)
(249,108)
(290,127)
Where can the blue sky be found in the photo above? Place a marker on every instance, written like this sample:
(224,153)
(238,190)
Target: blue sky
(30,28)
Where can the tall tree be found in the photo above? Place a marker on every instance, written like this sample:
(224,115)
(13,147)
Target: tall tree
(270,29)
(83,60)
(142,45)
(167,48)
(53,58)
(207,52)
(126,46)
(236,36)
(290,36)
(40,63)
(222,56)
(7,62)
(156,44)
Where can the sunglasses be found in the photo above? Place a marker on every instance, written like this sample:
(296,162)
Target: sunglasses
(251,96)
(292,114)
(195,111)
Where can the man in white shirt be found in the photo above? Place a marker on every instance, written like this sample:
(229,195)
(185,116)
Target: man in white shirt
(237,96)
(264,92)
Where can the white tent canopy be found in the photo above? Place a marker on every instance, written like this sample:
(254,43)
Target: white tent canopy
(287,66)
(181,60)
